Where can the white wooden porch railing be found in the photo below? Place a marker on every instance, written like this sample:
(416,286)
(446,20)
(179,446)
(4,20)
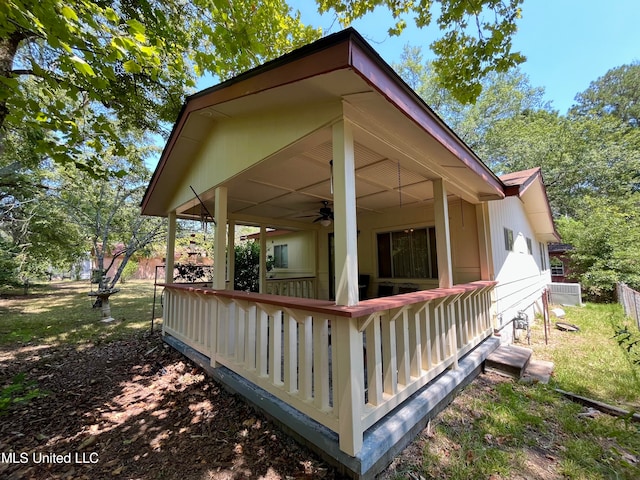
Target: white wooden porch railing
(345,367)
(303,287)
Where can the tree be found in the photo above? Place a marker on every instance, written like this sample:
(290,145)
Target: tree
(476,36)
(503,95)
(605,235)
(34,231)
(545,139)
(611,106)
(247,266)
(616,94)
(133,61)
(107,210)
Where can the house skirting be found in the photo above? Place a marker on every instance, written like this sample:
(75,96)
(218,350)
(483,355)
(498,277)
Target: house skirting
(383,441)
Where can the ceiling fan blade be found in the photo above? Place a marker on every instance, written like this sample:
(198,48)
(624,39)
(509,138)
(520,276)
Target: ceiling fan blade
(324,213)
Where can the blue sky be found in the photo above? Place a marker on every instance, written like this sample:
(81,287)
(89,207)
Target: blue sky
(568,43)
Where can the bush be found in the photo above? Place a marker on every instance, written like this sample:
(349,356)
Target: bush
(129,270)
(247,266)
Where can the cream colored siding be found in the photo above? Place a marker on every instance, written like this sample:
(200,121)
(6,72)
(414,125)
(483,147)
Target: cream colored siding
(301,252)
(242,142)
(464,235)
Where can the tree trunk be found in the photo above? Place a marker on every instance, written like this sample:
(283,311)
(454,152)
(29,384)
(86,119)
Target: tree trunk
(8,48)
(127,255)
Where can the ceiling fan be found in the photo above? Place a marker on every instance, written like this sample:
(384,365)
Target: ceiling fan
(324,215)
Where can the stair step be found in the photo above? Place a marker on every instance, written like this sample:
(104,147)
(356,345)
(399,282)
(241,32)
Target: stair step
(538,371)
(510,360)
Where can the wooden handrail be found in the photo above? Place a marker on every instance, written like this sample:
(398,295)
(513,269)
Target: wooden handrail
(284,279)
(327,307)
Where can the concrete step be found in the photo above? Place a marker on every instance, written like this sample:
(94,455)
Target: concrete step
(538,371)
(516,362)
(510,360)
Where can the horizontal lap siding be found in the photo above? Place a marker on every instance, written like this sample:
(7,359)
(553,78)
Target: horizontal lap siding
(521,280)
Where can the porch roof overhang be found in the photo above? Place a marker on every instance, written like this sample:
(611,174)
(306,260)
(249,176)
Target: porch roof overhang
(528,185)
(401,145)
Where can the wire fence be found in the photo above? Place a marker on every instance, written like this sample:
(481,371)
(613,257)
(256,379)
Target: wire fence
(630,301)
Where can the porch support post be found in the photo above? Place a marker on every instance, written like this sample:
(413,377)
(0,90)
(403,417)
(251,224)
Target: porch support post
(171,248)
(231,256)
(345,222)
(443,236)
(220,240)
(482,219)
(262,287)
(316,238)
(348,383)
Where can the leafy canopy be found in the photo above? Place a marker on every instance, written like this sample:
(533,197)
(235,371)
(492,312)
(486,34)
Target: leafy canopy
(616,94)
(606,240)
(476,36)
(127,60)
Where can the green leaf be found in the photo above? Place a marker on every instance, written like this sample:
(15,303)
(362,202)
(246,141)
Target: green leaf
(83,67)
(66,47)
(131,67)
(69,13)
(111,15)
(135,27)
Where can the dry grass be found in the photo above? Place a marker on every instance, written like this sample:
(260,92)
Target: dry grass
(61,312)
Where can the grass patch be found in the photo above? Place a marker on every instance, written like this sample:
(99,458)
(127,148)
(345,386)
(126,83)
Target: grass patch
(590,362)
(499,429)
(61,312)
(19,391)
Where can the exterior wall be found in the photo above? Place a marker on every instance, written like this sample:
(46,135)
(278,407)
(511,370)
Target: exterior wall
(464,240)
(522,276)
(371,225)
(301,252)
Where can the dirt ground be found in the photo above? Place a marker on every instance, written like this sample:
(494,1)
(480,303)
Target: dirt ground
(137,409)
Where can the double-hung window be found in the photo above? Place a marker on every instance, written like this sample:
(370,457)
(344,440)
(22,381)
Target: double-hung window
(409,253)
(557,267)
(280,256)
(543,256)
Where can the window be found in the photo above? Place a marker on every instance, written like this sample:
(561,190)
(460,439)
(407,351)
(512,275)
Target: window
(280,256)
(508,239)
(557,267)
(529,247)
(543,257)
(408,253)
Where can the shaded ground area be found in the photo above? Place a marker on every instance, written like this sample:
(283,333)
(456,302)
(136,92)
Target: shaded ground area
(135,408)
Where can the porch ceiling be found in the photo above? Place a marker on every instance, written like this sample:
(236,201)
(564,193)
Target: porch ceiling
(292,188)
(395,159)
(400,144)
